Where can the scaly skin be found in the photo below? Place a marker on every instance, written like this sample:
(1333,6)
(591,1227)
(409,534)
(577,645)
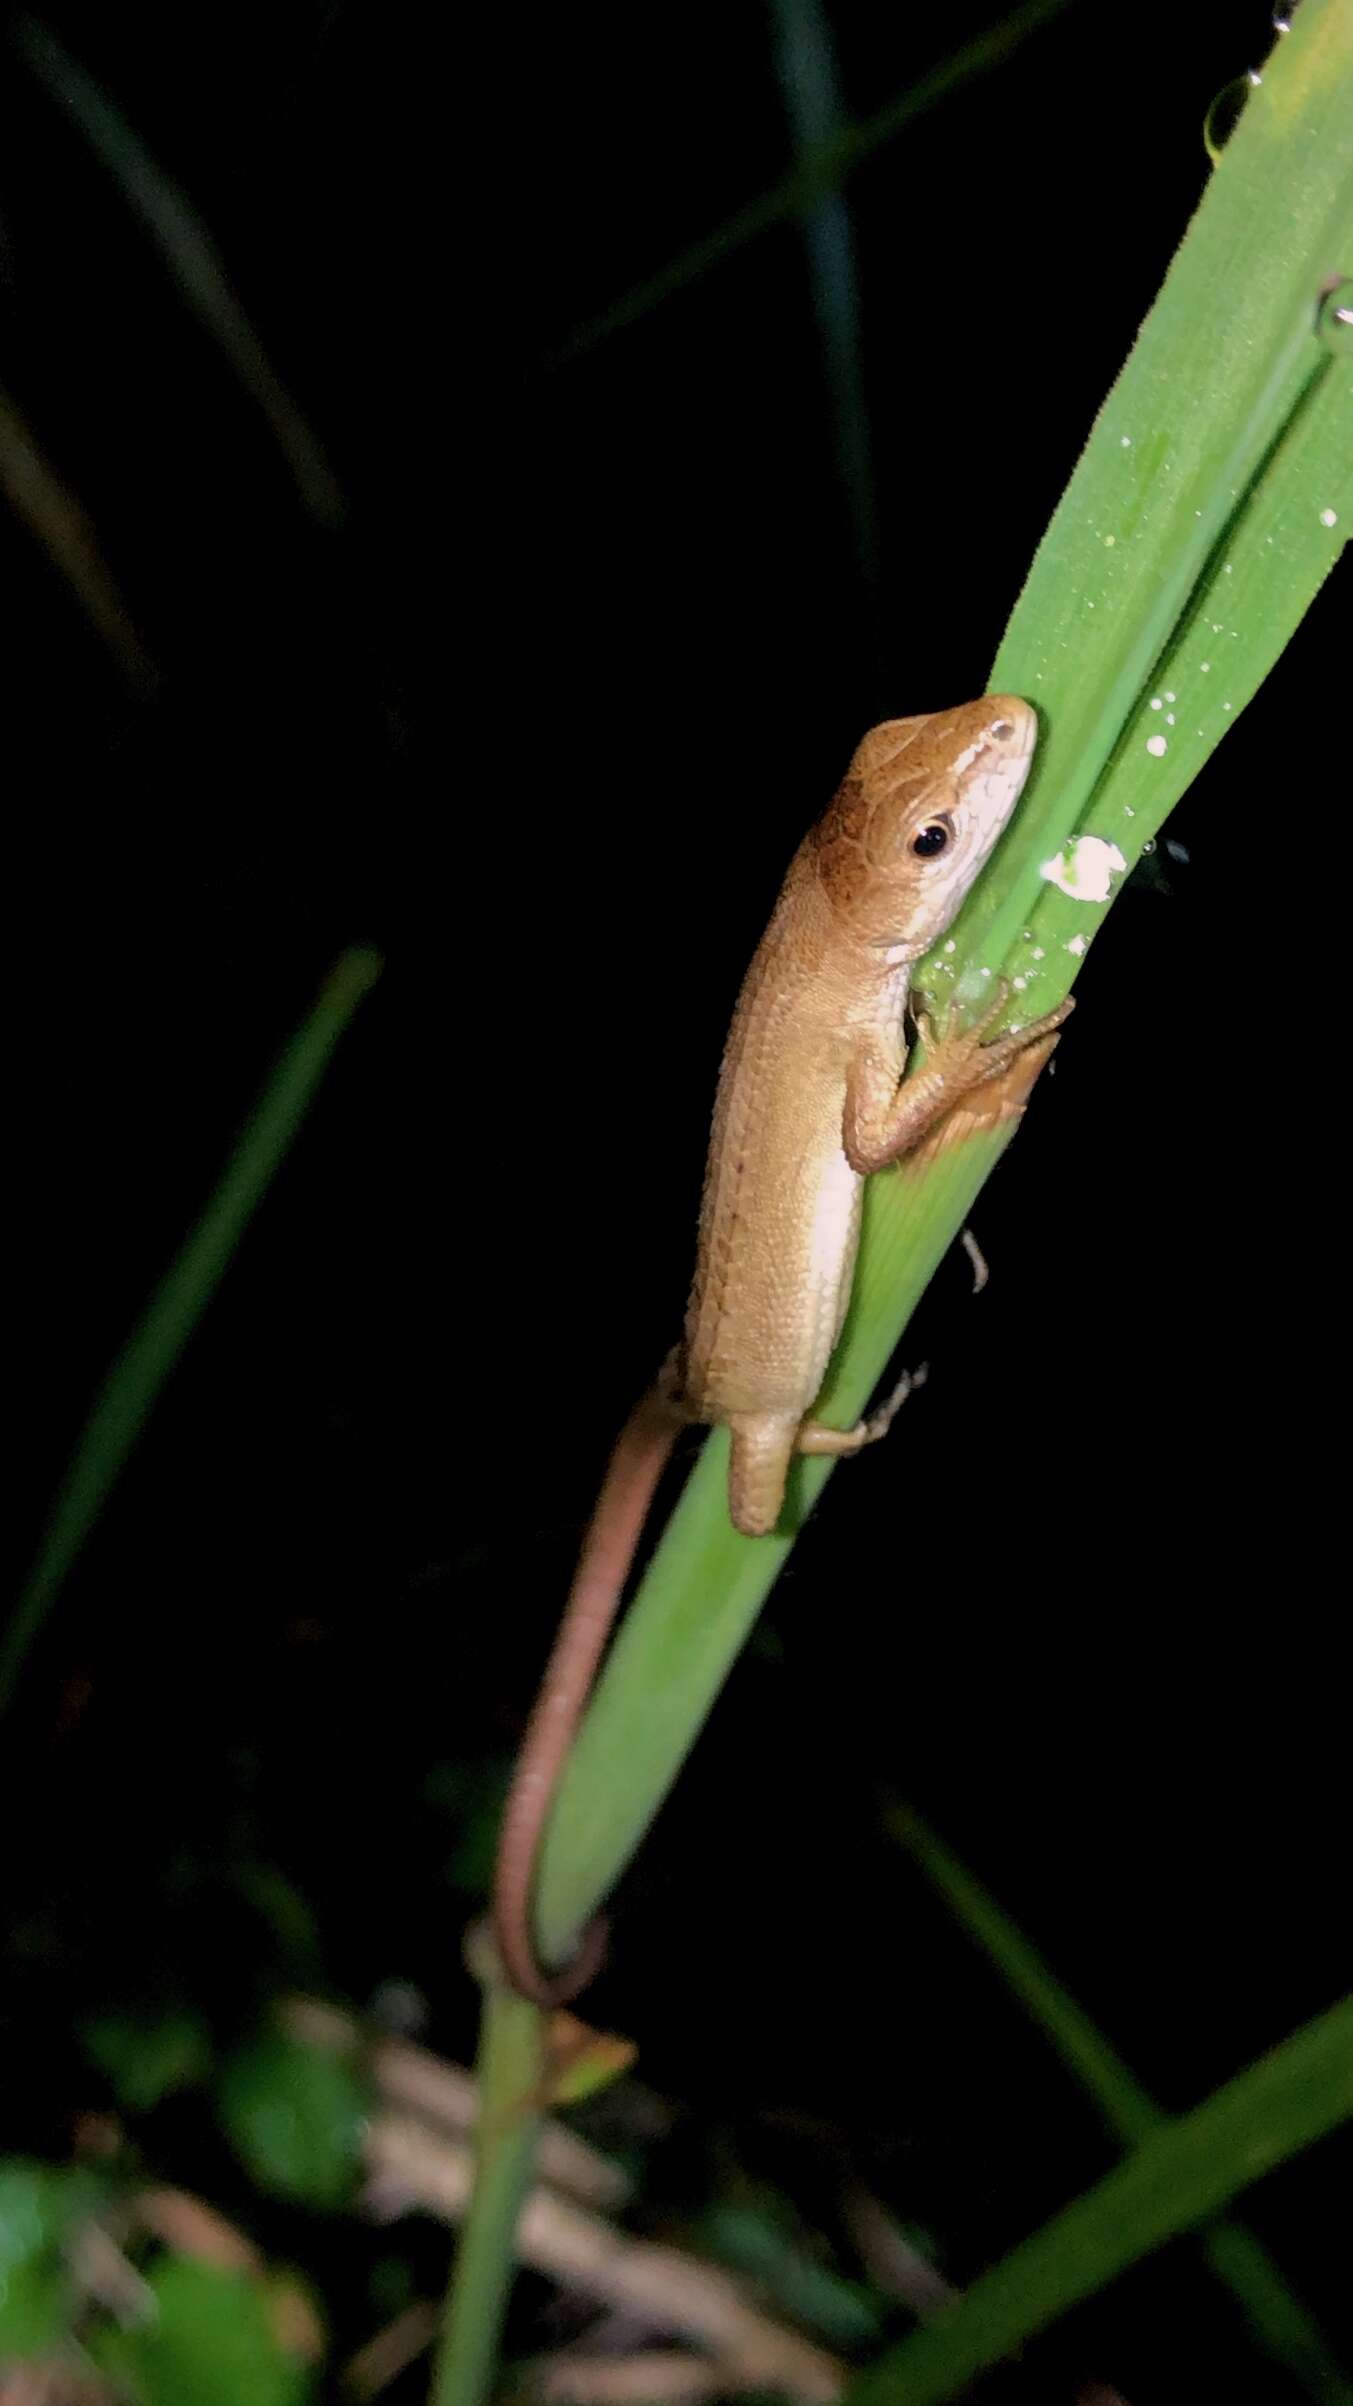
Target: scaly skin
(810,1095)
(811,1099)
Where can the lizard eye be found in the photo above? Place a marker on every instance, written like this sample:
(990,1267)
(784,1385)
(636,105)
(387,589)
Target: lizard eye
(933,839)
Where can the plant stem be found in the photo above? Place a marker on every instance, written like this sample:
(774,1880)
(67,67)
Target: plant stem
(511,2069)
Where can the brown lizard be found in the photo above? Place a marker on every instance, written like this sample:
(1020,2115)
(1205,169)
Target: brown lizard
(812,1097)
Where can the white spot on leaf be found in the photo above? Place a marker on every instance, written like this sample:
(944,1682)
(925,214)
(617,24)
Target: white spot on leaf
(1085,871)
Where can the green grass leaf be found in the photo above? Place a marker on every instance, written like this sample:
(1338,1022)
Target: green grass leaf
(1179,2174)
(135,1381)
(1276,2315)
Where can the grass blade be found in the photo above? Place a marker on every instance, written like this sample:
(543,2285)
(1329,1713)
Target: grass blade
(49,508)
(133,1384)
(822,172)
(1180,2174)
(1276,2315)
(193,259)
(805,64)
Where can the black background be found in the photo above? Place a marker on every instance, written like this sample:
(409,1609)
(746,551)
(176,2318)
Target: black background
(543,720)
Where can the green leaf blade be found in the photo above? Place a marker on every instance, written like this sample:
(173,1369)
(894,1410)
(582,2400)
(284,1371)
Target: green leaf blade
(1188,2169)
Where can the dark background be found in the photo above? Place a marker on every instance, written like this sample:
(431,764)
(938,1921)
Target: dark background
(543,718)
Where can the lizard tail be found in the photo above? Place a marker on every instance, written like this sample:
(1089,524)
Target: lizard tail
(608,1549)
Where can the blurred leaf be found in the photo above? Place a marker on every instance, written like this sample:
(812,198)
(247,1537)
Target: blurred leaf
(38,2205)
(34,2308)
(749,2240)
(279,1902)
(191,255)
(583,2061)
(294,2117)
(25,2221)
(148,2056)
(810,85)
(136,1379)
(816,174)
(212,2343)
(43,501)
(36,2303)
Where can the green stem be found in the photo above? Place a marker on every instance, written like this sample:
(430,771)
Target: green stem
(512,2068)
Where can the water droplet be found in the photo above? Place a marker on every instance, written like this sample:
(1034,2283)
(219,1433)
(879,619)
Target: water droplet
(1226,112)
(1126,441)
(1205,667)
(1150,844)
(1109,542)
(1168,695)
(1156,702)
(1282,16)
(1329,517)
(1156,745)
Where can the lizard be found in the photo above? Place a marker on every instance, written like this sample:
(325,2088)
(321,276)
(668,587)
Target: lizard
(812,1097)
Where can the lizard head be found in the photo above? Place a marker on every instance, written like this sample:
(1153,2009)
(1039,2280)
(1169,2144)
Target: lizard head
(923,803)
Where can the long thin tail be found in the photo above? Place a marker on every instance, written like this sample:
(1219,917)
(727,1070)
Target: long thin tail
(608,1549)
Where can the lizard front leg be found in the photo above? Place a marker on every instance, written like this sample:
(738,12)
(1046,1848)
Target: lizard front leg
(884,1120)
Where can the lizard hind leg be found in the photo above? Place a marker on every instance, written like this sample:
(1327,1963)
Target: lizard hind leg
(815,1438)
(763,1445)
